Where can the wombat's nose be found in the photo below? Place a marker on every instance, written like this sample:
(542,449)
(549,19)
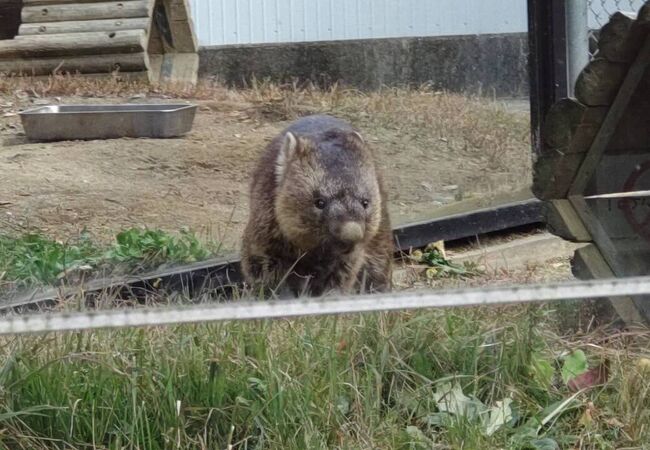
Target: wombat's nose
(351,232)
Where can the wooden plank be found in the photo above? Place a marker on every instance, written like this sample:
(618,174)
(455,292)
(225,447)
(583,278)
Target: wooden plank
(626,217)
(588,263)
(74,44)
(621,265)
(607,130)
(632,134)
(92,11)
(83,26)
(625,172)
(596,230)
(124,62)
(184,37)
(155,66)
(179,21)
(177,10)
(599,82)
(180,68)
(155,45)
(562,220)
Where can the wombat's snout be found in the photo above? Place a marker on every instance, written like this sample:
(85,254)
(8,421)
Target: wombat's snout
(351,232)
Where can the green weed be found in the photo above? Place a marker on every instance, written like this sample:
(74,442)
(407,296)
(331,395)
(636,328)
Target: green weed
(34,258)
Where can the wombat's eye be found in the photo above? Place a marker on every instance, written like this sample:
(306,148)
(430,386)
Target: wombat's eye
(365,203)
(320,203)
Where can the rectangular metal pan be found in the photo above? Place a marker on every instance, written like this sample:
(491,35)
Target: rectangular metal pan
(84,122)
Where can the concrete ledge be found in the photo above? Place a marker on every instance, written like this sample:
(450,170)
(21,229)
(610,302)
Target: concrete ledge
(517,254)
(479,64)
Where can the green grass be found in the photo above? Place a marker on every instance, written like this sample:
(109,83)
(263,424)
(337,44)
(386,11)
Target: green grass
(352,382)
(34,258)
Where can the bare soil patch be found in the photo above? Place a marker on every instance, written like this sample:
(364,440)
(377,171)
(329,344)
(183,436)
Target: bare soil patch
(434,148)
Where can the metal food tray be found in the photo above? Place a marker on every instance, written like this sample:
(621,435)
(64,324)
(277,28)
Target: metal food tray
(76,122)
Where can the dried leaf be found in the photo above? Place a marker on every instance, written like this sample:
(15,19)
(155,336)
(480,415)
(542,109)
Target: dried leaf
(592,377)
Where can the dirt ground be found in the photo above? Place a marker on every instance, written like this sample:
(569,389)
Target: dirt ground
(430,156)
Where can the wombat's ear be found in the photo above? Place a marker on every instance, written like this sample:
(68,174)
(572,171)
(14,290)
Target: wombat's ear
(287,151)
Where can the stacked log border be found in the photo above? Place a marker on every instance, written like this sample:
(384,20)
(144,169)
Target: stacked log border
(101,37)
(574,137)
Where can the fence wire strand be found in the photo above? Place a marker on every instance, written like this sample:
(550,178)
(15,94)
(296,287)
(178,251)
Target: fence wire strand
(599,13)
(156,316)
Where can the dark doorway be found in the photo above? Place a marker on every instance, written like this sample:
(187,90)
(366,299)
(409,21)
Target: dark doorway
(10,18)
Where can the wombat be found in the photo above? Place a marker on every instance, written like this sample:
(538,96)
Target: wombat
(318,217)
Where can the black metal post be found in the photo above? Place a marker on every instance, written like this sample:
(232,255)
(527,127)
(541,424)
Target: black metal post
(547,60)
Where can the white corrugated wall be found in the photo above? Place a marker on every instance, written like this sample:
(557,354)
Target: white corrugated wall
(223,22)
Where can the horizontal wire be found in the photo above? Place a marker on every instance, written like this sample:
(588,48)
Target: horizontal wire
(240,310)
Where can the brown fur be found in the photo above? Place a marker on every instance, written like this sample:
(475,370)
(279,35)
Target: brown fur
(290,241)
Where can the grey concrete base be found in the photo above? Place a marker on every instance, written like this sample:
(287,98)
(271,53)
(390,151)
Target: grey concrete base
(520,253)
(493,65)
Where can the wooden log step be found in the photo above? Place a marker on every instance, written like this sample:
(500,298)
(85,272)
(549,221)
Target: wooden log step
(599,81)
(92,11)
(592,119)
(553,174)
(74,44)
(589,263)
(622,37)
(562,220)
(57,2)
(29,29)
(561,122)
(613,38)
(131,77)
(124,62)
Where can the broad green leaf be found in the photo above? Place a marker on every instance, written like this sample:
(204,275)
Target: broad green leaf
(574,364)
(545,444)
(451,399)
(498,415)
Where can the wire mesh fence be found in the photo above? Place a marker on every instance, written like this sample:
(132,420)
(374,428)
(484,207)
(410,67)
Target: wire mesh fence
(599,14)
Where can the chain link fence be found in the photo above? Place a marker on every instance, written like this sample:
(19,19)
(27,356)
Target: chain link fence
(599,13)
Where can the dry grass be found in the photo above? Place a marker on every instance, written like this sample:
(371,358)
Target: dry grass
(454,122)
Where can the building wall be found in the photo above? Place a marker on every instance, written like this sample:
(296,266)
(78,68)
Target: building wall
(224,22)
(486,64)
(227,22)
